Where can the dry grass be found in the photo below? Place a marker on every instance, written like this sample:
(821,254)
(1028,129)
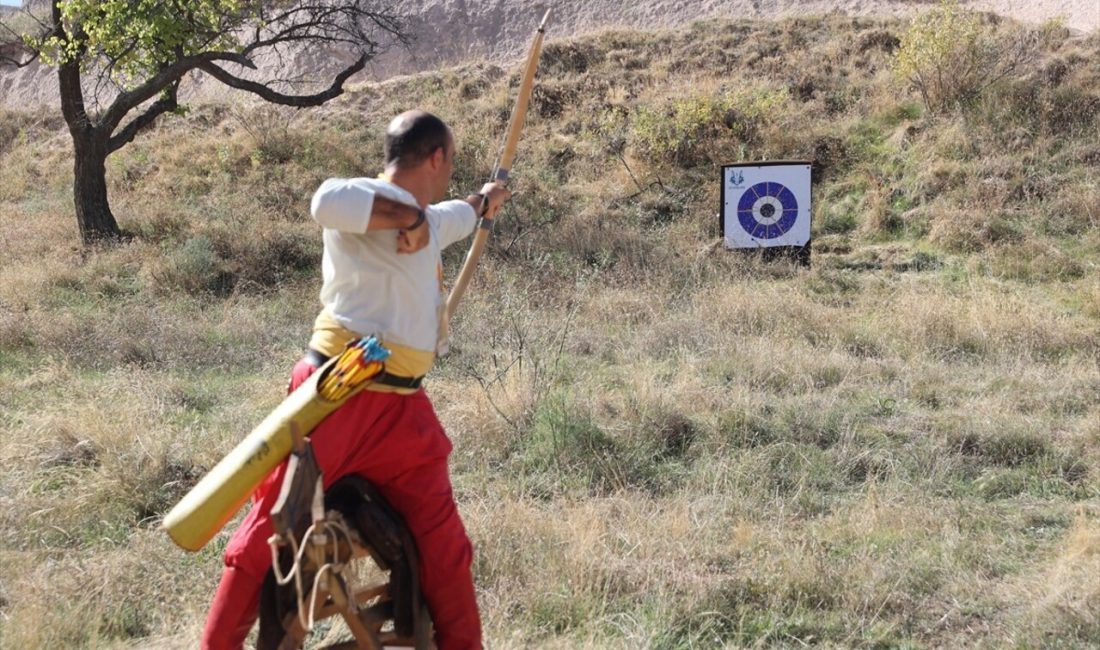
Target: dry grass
(658,444)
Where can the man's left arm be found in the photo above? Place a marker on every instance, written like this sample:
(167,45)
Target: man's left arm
(490,199)
(457,222)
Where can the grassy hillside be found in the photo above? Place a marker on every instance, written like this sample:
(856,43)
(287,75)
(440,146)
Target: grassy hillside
(658,443)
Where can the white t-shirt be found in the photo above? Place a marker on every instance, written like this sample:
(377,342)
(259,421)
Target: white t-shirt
(368,287)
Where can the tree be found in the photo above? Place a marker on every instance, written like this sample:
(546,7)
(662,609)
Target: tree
(136,52)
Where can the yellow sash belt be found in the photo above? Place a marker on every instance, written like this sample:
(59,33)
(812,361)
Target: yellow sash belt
(330,338)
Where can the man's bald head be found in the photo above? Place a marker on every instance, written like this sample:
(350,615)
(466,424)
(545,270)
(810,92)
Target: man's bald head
(413,136)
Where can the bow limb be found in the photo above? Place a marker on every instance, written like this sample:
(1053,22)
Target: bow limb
(504,164)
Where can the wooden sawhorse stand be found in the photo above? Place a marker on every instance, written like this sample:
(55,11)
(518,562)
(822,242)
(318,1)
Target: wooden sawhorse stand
(335,534)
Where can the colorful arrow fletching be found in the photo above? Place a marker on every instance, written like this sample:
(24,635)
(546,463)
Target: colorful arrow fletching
(360,362)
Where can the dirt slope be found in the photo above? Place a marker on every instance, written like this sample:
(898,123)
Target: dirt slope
(453,31)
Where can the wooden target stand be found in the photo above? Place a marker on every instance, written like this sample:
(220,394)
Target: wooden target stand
(351,557)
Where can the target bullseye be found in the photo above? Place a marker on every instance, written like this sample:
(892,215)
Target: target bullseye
(767,210)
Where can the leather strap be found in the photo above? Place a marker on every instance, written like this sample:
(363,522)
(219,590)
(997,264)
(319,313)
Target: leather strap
(315,358)
(386,379)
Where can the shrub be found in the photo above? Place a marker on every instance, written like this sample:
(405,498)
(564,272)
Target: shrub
(12,129)
(563,58)
(950,56)
(194,267)
(271,129)
(566,442)
(682,131)
(690,131)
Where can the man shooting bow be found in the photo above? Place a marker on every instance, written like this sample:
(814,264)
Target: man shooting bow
(383,275)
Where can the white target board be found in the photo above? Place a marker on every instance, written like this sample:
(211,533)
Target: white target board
(766,204)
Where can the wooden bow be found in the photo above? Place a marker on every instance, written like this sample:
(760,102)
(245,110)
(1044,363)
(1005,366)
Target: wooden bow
(504,163)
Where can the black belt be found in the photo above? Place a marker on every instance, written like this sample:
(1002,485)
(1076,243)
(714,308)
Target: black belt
(316,359)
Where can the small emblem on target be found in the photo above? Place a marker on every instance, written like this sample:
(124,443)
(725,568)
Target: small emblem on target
(767,210)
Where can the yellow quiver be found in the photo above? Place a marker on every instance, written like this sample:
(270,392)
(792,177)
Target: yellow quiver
(219,495)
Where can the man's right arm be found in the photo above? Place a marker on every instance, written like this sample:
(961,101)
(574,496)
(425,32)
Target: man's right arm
(387,214)
(351,205)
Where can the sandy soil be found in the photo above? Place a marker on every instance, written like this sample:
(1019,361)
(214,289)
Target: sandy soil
(454,31)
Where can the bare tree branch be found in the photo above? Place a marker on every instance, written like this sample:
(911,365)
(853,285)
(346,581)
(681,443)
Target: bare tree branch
(167,75)
(8,60)
(271,95)
(13,51)
(160,107)
(329,23)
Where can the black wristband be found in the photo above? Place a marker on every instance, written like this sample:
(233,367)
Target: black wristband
(421,217)
(484,204)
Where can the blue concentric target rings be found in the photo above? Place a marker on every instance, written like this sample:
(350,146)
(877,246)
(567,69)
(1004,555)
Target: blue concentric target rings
(767,210)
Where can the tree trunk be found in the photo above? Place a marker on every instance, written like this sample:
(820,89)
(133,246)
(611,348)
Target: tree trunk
(93,212)
(90,145)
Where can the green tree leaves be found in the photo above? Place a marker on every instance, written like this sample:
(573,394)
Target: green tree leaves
(138,38)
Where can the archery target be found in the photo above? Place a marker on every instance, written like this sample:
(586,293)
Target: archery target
(766,205)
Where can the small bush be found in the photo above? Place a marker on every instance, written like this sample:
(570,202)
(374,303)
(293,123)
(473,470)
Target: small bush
(685,129)
(221,261)
(267,259)
(565,439)
(559,58)
(950,56)
(550,99)
(194,268)
(691,131)
(13,128)
(270,127)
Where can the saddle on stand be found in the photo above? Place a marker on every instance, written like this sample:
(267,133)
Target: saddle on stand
(323,548)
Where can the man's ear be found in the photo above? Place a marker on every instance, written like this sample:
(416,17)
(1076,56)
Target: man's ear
(438,157)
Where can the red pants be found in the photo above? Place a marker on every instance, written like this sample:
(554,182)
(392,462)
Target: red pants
(397,443)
